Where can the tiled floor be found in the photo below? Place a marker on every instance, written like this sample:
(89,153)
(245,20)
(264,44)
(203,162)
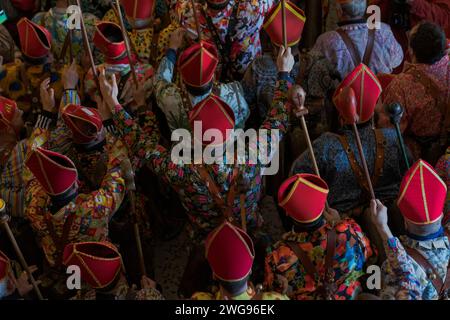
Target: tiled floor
(171,257)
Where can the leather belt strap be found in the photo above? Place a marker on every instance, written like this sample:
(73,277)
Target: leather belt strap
(154,49)
(356,58)
(328,289)
(59,242)
(224,205)
(379,160)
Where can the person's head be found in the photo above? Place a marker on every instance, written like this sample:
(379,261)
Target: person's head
(85,124)
(351,9)
(230,254)
(7,46)
(108,38)
(427,43)
(197,65)
(100,263)
(303,197)
(217,5)
(139,12)
(295,22)
(422,198)
(10,117)
(35,41)
(357,95)
(55,172)
(216,118)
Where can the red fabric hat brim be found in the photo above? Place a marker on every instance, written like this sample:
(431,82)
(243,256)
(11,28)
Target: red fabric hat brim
(138,9)
(198,63)
(4,266)
(367,91)
(303,196)
(35,40)
(73,113)
(54,171)
(230,252)
(111,50)
(295,22)
(99,262)
(422,194)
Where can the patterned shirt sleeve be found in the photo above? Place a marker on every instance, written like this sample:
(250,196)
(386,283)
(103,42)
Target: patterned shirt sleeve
(112,190)
(400,281)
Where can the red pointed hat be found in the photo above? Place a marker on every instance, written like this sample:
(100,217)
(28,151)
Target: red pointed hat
(35,40)
(7,110)
(4,266)
(85,123)
(303,196)
(213,113)
(367,91)
(99,262)
(295,22)
(198,63)
(422,194)
(114,51)
(138,9)
(230,252)
(54,171)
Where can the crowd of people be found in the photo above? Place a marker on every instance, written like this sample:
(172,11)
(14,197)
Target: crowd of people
(88,179)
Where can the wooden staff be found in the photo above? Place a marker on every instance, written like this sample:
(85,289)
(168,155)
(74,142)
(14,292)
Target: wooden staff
(283,18)
(131,187)
(87,46)
(350,117)
(308,141)
(395,111)
(127,43)
(197,24)
(4,221)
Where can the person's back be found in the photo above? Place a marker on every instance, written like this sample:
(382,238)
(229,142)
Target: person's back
(386,166)
(352,41)
(423,90)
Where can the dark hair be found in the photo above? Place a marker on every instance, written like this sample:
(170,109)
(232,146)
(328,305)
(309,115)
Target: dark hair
(35,61)
(235,286)
(428,43)
(308,227)
(199,91)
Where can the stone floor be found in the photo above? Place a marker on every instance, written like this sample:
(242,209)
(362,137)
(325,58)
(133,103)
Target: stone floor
(171,256)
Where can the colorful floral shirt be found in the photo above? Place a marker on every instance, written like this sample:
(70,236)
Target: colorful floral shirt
(422,117)
(443,169)
(334,166)
(285,273)
(404,278)
(188,184)
(249,294)
(121,292)
(169,96)
(55,21)
(246,44)
(387,53)
(92,211)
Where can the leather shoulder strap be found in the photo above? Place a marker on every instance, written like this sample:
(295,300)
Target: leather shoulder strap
(427,267)
(329,259)
(369,47)
(59,242)
(356,168)
(303,258)
(350,46)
